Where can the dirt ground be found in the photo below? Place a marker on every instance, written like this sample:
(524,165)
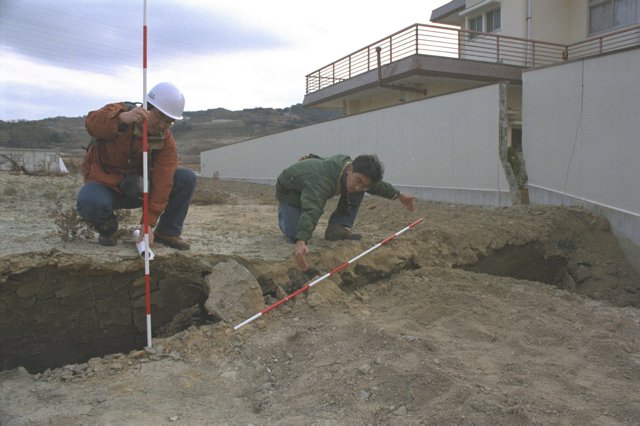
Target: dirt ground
(492,316)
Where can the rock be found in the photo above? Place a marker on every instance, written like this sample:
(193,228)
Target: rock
(582,274)
(329,291)
(137,354)
(234,293)
(402,411)
(365,369)
(567,282)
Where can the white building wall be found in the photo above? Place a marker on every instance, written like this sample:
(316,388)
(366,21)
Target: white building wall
(442,148)
(559,21)
(581,137)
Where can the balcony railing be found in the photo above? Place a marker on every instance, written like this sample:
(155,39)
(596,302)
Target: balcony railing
(421,39)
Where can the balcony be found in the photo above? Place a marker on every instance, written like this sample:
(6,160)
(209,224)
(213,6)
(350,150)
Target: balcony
(427,60)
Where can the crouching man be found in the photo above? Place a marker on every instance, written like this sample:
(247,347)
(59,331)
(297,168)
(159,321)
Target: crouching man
(304,188)
(113,168)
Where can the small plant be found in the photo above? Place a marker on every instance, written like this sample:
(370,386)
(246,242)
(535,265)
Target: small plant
(70,225)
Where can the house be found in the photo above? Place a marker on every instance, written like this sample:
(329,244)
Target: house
(496,102)
(485,41)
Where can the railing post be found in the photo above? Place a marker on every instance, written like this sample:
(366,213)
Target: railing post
(349,66)
(459,44)
(417,40)
(497,48)
(600,43)
(368,58)
(333,73)
(533,54)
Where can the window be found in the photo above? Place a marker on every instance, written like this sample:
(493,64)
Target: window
(493,20)
(609,14)
(475,24)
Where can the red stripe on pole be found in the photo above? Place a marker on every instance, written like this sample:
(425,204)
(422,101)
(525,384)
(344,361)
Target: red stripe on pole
(339,268)
(147,290)
(289,297)
(144,47)
(411,225)
(386,240)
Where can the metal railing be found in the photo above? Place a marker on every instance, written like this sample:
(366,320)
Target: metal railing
(421,39)
(628,37)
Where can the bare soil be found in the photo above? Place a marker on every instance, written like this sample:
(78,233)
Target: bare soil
(496,316)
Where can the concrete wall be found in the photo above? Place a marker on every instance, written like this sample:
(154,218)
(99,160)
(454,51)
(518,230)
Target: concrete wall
(442,148)
(33,160)
(581,137)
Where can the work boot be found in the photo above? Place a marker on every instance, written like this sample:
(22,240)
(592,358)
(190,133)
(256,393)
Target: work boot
(172,241)
(336,232)
(107,240)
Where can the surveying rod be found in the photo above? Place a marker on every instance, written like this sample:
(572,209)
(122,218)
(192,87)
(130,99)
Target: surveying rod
(327,275)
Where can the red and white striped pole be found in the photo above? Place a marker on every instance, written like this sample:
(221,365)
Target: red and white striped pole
(325,276)
(145,179)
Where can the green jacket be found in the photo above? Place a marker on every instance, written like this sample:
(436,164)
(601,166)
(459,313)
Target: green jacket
(308,184)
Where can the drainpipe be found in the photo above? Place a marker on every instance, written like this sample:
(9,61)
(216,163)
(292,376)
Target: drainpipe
(394,86)
(528,19)
(529,30)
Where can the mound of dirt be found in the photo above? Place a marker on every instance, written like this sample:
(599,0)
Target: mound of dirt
(522,315)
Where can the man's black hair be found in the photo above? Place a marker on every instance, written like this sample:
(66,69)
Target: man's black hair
(370,166)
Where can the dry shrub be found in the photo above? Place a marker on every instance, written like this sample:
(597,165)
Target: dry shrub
(72,227)
(208,196)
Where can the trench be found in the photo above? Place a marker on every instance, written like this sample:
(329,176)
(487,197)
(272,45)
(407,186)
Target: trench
(63,313)
(68,311)
(529,262)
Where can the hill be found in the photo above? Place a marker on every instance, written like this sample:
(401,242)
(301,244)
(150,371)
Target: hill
(199,131)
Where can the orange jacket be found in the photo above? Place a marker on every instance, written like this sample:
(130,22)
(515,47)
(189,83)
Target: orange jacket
(107,159)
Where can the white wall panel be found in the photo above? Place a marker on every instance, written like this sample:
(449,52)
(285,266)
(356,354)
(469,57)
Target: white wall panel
(443,148)
(581,136)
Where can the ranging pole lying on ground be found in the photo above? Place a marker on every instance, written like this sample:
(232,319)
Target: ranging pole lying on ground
(325,276)
(145,175)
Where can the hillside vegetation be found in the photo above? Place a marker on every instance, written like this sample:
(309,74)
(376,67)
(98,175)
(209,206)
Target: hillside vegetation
(199,131)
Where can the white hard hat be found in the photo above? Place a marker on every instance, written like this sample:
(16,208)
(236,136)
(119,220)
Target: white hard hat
(168,99)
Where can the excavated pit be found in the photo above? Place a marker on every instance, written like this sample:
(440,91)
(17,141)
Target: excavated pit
(64,312)
(530,262)
(65,309)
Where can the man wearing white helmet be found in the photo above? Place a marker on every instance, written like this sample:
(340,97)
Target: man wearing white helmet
(113,168)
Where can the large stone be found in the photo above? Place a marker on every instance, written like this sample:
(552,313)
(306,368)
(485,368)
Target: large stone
(234,293)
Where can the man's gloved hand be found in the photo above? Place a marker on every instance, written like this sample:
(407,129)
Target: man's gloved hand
(132,186)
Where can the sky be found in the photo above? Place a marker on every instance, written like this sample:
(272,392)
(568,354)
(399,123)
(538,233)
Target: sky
(65,58)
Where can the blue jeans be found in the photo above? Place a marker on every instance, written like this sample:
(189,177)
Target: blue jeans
(96,203)
(344,214)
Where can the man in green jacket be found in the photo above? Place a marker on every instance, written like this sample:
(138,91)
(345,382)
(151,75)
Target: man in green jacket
(304,188)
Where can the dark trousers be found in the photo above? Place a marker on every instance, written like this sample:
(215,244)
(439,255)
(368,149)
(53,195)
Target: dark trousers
(344,214)
(96,204)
